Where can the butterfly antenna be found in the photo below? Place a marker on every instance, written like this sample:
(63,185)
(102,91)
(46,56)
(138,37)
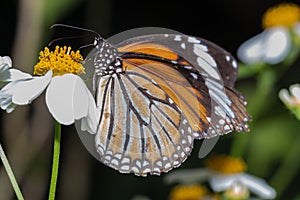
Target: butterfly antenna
(77,28)
(87,45)
(65,38)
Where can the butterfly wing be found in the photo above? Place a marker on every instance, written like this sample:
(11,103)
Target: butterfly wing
(142,129)
(210,70)
(170,92)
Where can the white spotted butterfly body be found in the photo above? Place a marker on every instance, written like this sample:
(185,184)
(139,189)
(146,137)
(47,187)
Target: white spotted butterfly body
(156,94)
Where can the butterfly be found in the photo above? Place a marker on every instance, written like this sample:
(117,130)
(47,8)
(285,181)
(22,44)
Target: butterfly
(156,94)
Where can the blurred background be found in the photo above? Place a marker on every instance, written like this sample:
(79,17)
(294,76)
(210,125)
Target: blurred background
(27,133)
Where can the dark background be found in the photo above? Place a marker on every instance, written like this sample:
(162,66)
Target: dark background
(227,23)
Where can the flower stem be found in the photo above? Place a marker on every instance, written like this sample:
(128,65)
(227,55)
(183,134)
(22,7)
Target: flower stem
(10,174)
(55,162)
(288,169)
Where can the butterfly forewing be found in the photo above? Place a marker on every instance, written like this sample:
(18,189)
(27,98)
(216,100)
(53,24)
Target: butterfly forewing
(205,65)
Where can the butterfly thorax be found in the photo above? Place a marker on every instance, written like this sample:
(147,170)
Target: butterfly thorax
(107,61)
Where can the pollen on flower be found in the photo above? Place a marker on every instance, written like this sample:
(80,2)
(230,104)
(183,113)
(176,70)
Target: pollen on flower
(62,60)
(188,192)
(226,164)
(285,14)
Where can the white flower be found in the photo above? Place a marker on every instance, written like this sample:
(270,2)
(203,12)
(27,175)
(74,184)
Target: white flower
(221,182)
(8,74)
(223,173)
(270,46)
(292,99)
(67,96)
(256,185)
(275,42)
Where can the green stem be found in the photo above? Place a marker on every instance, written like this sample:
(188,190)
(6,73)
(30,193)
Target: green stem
(10,174)
(55,162)
(288,169)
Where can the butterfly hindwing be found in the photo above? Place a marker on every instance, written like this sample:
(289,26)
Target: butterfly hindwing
(141,129)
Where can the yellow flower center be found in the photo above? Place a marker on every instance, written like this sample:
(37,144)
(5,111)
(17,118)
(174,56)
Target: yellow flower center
(188,192)
(61,61)
(285,14)
(226,164)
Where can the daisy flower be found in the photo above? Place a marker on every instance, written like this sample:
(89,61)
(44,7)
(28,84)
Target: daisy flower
(225,174)
(291,98)
(57,73)
(7,73)
(274,44)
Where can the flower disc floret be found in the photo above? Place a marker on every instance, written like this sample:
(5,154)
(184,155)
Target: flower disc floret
(188,192)
(226,164)
(285,14)
(62,60)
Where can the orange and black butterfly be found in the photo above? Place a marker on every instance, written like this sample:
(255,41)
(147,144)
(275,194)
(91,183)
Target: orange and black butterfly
(156,94)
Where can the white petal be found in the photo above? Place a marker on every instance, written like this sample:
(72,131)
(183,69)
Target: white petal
(188,176)
(295,91)
(277,45)
(22,92)
(285,96)
(10,108)
(4,76)
(67,98)
(270,46)
(18,75)
(5,62)
(254,184)
(258,186)
(222,182)
(90,122)
(14,75)
(28,90)
(81,99)
(251,50)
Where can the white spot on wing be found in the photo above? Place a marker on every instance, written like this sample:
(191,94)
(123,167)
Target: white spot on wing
(183,45)
(193,40)
(125,160)
(195,76)
(115,162)
(125,168)
(227,58)
(159,163)
(201,50)
(177,38)
(234,64)
(168,165)
(226,128)
(188,67)
(208,68)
